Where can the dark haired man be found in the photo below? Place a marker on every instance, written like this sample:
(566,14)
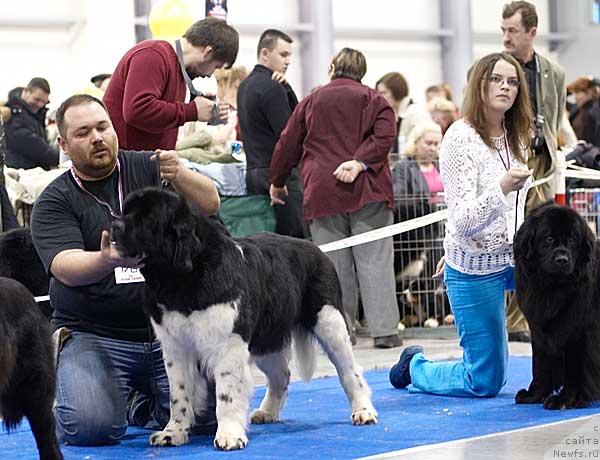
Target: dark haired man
(146,94)
(107,350)
(546,84)
(264,107)
(26,142)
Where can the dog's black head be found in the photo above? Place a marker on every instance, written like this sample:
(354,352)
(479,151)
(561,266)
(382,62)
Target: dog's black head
(19,260)
(160,226)
(556,239)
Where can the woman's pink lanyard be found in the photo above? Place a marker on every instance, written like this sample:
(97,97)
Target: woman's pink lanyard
(507,167)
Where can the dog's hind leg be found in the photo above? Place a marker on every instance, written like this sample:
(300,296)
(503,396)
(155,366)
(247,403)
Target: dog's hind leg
(233,386)
(332,334)
(43,425)
(276,367)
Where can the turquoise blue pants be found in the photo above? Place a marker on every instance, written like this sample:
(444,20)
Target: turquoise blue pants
(477,302)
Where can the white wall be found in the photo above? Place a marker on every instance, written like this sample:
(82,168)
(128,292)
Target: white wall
(66,56)
(418,61)
(251,17)
(104,30)
(579,56)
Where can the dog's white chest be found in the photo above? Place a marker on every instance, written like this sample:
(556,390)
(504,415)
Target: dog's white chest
(201,331)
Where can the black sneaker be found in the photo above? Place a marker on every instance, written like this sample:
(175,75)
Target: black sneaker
(520,336)
(400,372)
(387,341)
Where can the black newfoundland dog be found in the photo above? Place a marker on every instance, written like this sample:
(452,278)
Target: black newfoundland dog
(27,372)
(557,279)
(222,302)
(20,261)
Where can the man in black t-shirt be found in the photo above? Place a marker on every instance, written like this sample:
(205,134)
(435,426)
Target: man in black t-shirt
(107,351)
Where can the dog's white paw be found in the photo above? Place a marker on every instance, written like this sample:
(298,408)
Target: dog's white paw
(431,323)
(231,438)
(260,416)
(364,416)
(449,319)
(169,438)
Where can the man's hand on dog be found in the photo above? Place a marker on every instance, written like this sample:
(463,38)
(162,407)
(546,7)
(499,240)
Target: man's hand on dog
(277,194)
(168,164)
(113,258)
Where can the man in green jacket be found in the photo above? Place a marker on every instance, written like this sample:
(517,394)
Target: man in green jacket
(546,82)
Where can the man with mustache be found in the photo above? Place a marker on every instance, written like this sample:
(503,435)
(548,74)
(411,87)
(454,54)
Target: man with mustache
(110,368)
(546,84)
(146,94)
(265,103)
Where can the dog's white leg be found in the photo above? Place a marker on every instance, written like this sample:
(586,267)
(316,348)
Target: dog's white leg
(331,333)
(276,367)
(200,394)
(180,373)
(233,382)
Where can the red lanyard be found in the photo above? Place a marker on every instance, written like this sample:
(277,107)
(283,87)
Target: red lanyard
(98,200)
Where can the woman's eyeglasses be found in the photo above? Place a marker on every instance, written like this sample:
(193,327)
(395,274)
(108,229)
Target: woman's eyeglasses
(496,79)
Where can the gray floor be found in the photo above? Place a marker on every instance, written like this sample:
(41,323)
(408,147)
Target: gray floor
(544,442)
(568,439)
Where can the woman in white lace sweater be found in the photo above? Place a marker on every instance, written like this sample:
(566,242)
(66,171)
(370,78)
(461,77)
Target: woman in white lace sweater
(482,164)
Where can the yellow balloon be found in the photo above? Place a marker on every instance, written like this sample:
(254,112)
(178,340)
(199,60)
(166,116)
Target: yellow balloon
(170,19)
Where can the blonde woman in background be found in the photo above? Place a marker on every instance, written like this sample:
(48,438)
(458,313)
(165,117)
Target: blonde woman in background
(442,90)
(418,173)
(417,187)
(443,112)
(228,82)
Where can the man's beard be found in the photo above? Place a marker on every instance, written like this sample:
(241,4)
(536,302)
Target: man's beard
(99,168)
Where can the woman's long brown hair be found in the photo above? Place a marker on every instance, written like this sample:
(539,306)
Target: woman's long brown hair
(518,120)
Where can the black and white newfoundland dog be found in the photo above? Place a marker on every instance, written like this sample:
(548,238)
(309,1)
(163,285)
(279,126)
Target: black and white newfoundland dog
(27,371)
(224,302)
(556,256)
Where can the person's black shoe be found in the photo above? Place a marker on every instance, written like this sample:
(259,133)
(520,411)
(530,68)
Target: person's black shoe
(400,372)
(387,341)
(520,336)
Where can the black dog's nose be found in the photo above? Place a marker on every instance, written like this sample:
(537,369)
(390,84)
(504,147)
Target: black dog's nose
(561,259)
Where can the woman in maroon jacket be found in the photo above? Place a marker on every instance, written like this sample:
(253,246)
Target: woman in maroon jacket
(341,135)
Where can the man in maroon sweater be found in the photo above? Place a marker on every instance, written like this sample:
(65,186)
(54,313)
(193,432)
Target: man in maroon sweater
(146,94)
(341,135)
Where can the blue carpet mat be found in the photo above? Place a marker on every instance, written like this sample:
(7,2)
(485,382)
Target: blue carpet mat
(316,424)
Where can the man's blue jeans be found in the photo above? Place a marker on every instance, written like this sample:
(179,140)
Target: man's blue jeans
(477,302)
(95,376)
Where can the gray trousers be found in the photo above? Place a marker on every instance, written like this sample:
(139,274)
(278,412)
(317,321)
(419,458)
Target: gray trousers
(372,263)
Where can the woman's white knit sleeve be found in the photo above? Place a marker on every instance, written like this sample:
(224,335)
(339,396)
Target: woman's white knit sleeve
(474,199)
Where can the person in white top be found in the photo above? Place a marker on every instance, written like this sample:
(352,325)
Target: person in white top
(483,169)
